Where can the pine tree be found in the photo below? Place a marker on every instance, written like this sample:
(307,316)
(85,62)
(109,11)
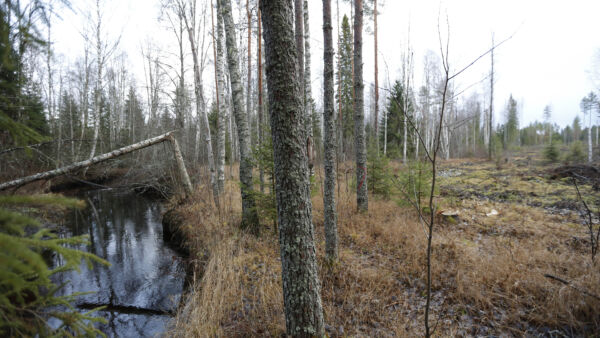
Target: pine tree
(360,148)
(301,287)
(330,213)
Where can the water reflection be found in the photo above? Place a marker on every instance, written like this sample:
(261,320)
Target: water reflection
(145,274)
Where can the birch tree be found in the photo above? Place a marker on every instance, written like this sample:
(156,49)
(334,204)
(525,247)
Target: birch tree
(223,108)
(301,289)
(587,106)
(491,109)
(100,60)
(249,213)
(189,18)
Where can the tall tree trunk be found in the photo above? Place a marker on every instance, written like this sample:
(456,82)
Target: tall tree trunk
(249,77)
(362,199)
(330,214)
(261,171)
(84,101)
(385,133)
(308,91)
(301,289)
(341,152)
(491,116)
(200,112)
(299,28)
(376,74)
(97,91)
(221,101)
(249,213)
(589,135)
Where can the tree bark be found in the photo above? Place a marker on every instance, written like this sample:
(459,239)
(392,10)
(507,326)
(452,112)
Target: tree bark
(249,76)
(261,171)
(301,288)
(308,107)
(589,135)
(200,104)
(362,200)
(122,151)
(376,75)
(330,214)
(183,174)
(221,101)
(97,91)
(491,116)
(249,213)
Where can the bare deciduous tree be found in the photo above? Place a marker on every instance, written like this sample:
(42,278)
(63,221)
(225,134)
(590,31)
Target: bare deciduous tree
(249,213)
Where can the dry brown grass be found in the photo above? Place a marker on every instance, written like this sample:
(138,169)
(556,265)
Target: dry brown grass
(488,272)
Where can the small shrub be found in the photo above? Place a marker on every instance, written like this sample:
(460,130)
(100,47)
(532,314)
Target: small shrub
(576,153)
(415,184)
(551,153)
(266,203)
(379,177)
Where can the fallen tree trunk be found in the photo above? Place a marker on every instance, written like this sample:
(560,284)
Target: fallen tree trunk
(118,152)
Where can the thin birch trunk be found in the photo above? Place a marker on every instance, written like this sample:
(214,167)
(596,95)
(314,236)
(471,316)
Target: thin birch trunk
(201,113)
(97,91)
(491,116)
(249,213)
(221,101)
(100,158)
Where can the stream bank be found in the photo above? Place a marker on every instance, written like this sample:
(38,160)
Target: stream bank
(142,288)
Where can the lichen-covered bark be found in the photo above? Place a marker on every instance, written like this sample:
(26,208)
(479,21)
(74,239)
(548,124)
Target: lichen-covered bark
(330,215)
(308,91)
(249,213)
(259,76)
(301,288)
(362,200)
(299,32)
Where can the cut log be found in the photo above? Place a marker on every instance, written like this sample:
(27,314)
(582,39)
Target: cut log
(118,152)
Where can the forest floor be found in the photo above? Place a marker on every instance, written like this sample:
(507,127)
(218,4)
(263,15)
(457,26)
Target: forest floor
(515,224)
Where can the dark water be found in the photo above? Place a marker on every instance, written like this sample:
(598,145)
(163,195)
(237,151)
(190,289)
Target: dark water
(143,285)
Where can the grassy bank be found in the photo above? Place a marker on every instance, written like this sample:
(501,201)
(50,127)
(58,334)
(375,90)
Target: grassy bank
(488,270)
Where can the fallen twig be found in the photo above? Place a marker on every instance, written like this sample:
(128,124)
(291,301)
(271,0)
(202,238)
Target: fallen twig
(569,284)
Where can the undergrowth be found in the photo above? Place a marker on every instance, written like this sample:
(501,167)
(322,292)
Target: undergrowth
(488,271)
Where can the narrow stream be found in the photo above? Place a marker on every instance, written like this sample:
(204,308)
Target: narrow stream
(143,285)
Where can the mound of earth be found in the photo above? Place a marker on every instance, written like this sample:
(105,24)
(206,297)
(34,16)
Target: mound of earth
(582,172)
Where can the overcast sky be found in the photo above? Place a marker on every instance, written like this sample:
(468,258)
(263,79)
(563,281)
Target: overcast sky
(548,60)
